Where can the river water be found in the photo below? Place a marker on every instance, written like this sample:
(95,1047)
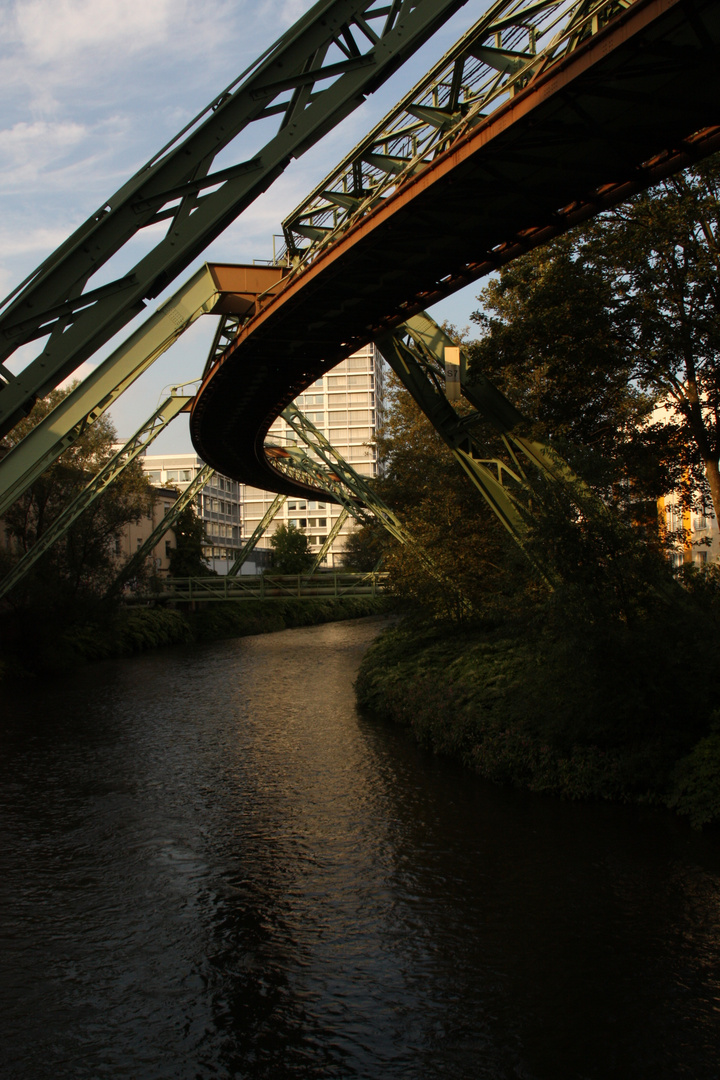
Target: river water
(212,867)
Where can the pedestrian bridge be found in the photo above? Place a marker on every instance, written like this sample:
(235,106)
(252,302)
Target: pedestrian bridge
(263,587)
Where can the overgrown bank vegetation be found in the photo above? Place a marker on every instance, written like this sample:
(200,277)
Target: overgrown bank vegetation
(597,676)
(136,629)
(576,710)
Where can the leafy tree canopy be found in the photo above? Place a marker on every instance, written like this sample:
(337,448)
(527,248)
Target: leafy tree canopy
(82,564)
(589,334)
(186,558)
(291,553)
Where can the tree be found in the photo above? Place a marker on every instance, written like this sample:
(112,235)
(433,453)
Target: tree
(550,341)
(186,558)
(461,551)
(591,333)
(365,547)
(81,565)
(291,554)
(661,255)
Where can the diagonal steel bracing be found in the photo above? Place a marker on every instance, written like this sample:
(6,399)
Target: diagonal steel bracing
(341,470)
(418,354)
(209,289)
(270,514)
(313,77)
(513,42)
(330,538)
(133,565)
(95,488)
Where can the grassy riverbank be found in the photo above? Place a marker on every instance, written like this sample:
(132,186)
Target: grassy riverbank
(584,712)
(47,649)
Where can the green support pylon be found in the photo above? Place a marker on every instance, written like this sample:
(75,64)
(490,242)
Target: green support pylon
(22,466)
(185,497)
(314,76)
(334,462)
(258,531)
(416,353)
(334,532)
(100,482)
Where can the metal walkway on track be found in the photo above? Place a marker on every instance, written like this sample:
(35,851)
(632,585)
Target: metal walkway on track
(632,104)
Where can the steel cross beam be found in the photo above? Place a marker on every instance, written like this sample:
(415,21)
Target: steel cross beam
(469,82)
(334,532)
(352,480)
(338,477)
(258,531)
(311,79)
(185,497)
(213,288)
(416,353)
(139,442)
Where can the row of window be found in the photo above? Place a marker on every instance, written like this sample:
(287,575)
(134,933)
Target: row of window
(220,506)
(314,523)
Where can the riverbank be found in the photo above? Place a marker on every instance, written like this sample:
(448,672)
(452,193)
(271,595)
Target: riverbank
(137,629)
(583,713)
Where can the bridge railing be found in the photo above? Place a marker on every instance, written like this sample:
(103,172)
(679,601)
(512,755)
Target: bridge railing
(264,586)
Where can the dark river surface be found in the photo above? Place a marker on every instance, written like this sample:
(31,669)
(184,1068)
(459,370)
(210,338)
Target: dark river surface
(211,866)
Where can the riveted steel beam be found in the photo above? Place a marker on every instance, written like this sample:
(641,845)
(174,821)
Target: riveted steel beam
(211,289)
(311,79)
(134,564)
(330,538)
(416,353)
(462,89)
(271,512)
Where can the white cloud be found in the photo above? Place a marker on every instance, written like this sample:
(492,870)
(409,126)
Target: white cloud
(52,29)
(24,241)
(28,148)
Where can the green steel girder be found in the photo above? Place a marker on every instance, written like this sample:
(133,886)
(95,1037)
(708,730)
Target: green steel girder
(329,539)
(142,553)
(468,83)
(139,442)
(259,530)
(296,463)
(415,352)
(339,478)
(352,480)
(311,79)
(103,385)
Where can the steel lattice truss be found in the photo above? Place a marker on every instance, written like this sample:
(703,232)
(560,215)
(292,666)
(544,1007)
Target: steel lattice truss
(314,76)
(512,44)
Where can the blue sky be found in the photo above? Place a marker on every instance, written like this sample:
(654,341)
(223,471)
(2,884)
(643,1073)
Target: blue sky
(93,88)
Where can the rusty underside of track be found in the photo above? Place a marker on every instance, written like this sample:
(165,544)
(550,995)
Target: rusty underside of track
(636,103)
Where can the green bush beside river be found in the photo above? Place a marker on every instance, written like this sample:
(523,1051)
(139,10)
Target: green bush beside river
(47,648)
(580,711)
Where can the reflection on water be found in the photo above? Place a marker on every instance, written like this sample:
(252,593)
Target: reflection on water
(212,867)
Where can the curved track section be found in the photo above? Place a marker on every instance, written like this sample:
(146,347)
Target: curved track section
(638,102)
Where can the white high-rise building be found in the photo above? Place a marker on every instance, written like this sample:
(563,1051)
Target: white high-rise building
(218,504)
(346,406)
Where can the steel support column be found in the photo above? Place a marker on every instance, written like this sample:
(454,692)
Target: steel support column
(334,532)
(185,497)
(250,543)
(311,79)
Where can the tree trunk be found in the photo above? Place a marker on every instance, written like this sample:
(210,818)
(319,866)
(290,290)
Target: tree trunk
(712,472)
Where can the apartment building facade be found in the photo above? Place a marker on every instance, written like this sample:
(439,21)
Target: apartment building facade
(218,504)
(346,405)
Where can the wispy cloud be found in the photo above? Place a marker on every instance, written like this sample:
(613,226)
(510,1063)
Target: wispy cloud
(52,29)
